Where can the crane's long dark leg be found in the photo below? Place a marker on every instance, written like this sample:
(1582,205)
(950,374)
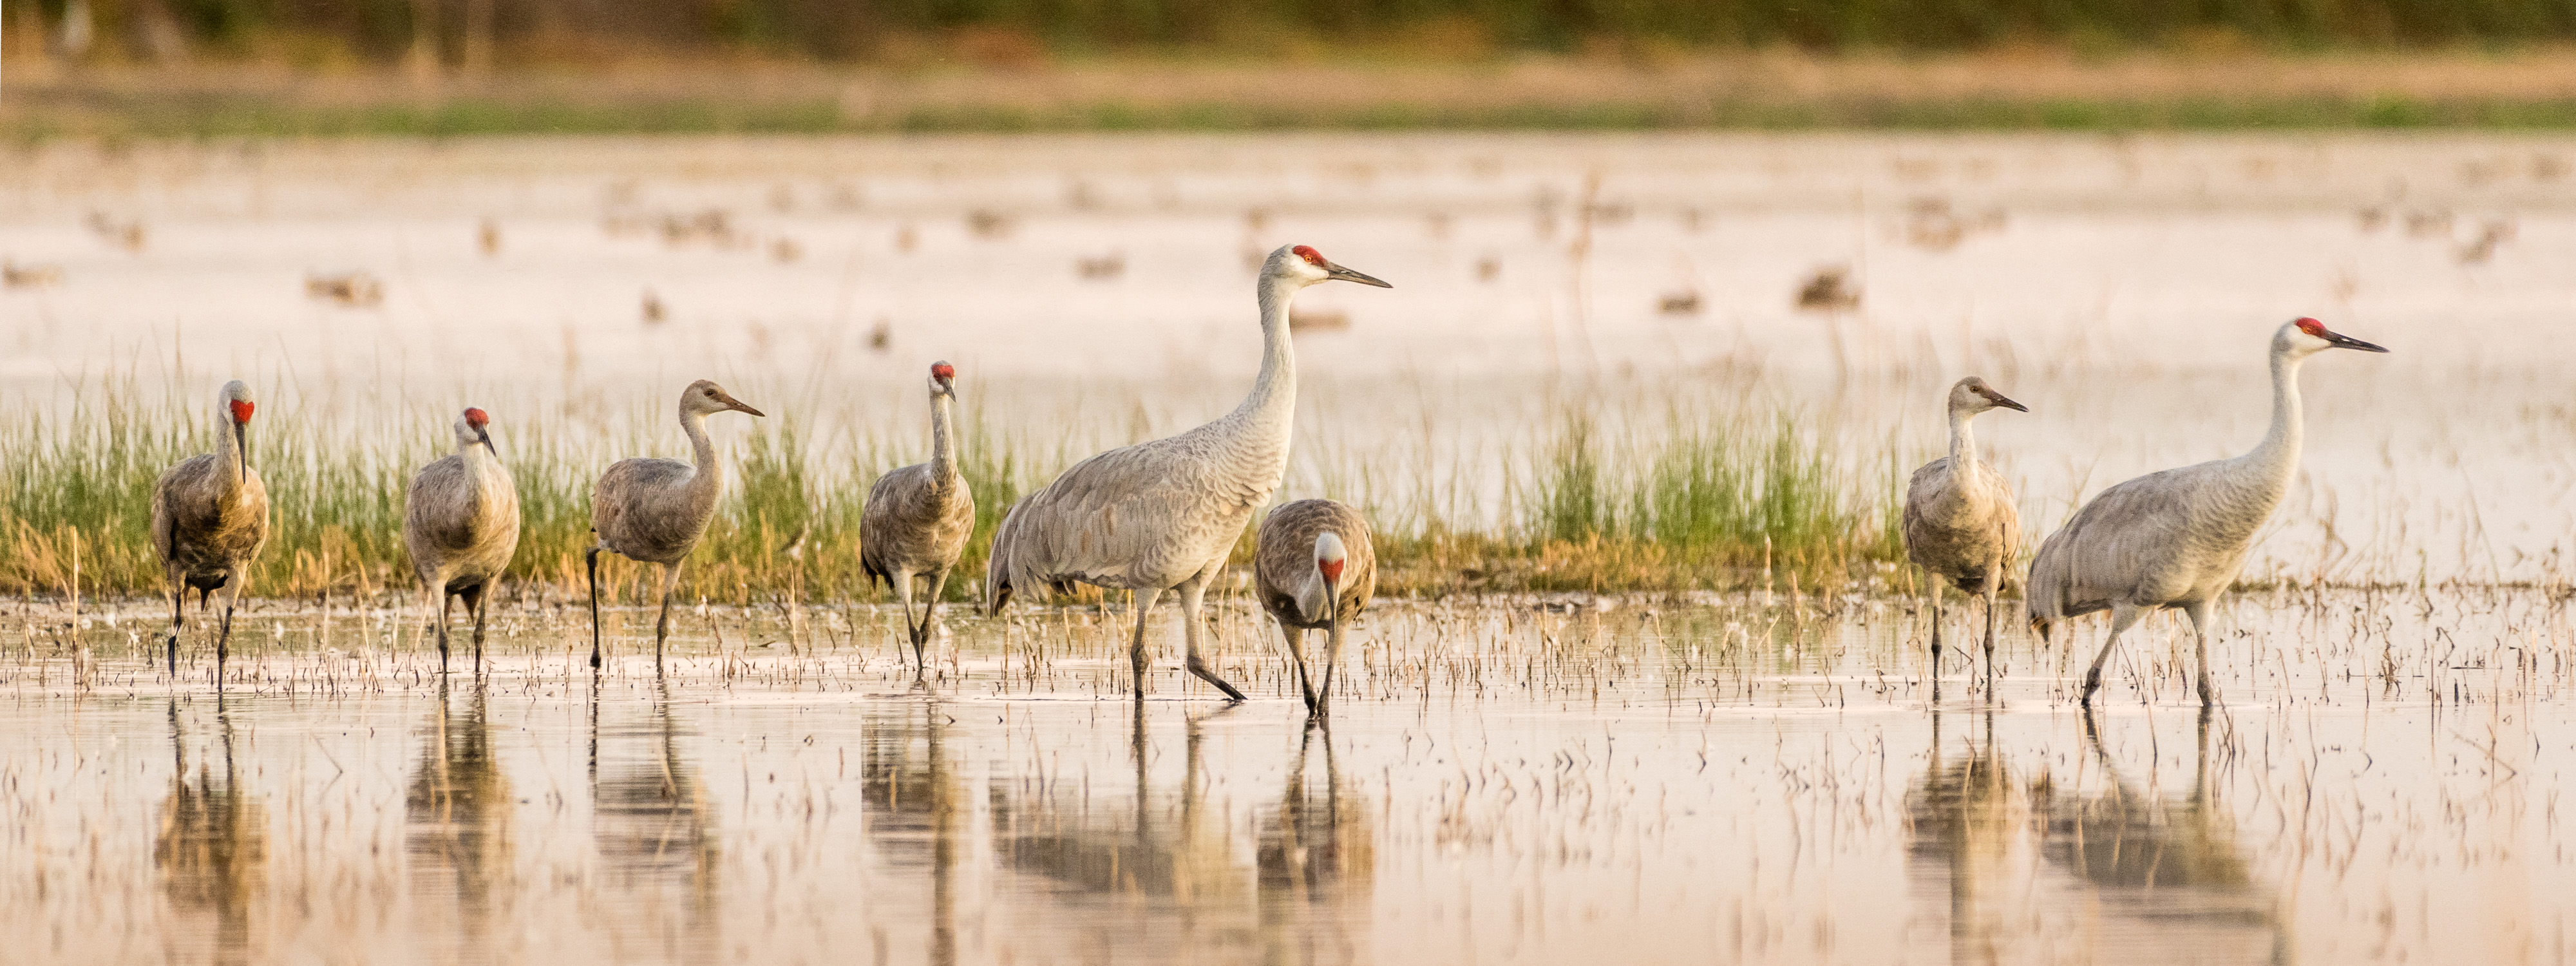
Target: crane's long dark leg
(429,594)
(475,601)
(1994,584)
(1297,652)
(224,640)
(662,627)
(2122,615)
(1191,591)
(178,619)
(591,557)
(1144,603)
(911,632)
(1332,661)
(446,605)
(1936,637)
(2199,614)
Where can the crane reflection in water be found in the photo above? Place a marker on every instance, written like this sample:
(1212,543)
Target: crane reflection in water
(2160,876)
(212,849)
(1150,865)
(457,813)
(1317,861)
(655,831)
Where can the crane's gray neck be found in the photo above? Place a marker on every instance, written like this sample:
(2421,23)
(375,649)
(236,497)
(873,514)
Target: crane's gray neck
(230,455)
(481,468)
(1274,394)
(943,440)
(1963,442)
(1313,595)
(708,482)
(2277,457)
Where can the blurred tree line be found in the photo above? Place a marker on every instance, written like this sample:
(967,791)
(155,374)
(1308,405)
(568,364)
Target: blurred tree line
(473,34)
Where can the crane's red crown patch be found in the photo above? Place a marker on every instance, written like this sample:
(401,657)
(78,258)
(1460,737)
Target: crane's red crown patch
(2312,327)
(1308,252)
(241,411)
(943,370)
(477,418)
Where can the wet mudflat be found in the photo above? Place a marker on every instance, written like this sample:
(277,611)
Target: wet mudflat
(1502,780)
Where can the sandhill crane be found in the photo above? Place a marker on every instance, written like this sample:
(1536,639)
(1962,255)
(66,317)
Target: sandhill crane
(1163,515)
(1960,522)
(2175,539)
(209,518)
(1316,570)
(654,510)
(460,525)
(918,517)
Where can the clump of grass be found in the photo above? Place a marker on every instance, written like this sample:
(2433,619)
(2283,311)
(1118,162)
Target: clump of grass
(1572,502)
(1712,504)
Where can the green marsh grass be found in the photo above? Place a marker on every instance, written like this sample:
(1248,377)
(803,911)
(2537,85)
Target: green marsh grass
(1742,496)
(1709,502)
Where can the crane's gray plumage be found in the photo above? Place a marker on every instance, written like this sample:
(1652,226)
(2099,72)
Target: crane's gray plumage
(1315,570)
(654,510)
(209,520)
(1164,514)
(1960,522)
(2175,539)
(461,526)
(918,518)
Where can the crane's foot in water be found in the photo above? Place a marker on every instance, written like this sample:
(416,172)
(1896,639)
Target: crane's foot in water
(1210,677)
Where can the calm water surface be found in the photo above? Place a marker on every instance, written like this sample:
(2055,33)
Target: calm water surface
(1655,781)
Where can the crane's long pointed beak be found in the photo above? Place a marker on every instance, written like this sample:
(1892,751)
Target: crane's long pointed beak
(241,450)
(484,436)
(2342,341)
(2007,403)
(1337,272)
(743,407)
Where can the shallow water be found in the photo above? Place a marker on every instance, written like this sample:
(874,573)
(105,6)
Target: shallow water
(1629,780)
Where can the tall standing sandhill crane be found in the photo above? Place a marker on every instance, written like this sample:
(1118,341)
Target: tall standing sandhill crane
(1960,521)
(461,525)
(1316,570)
(654,510)
(209,518)
(2175,539)
(918,517)
(1163,515)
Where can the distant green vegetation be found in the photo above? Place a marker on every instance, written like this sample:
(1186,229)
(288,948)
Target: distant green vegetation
(469,117)
(1007,31)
